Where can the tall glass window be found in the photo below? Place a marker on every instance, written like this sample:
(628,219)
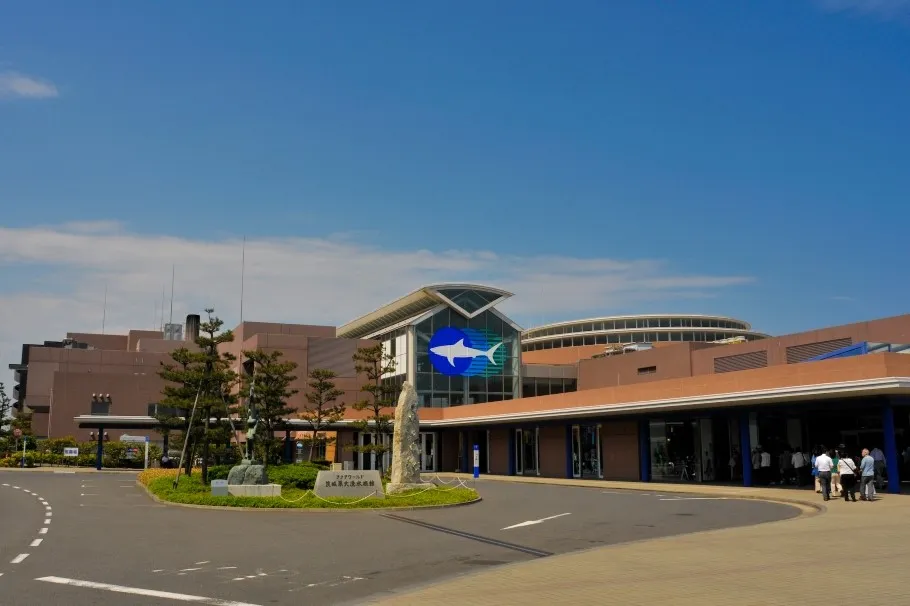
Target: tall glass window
(485,380)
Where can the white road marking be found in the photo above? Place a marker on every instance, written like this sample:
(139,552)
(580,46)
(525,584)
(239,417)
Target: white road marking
(159,570)
(6,484)
(28,491)
(228,568)
(48,513)
(42,531)
(16,487)
(189,569)
(152,593)
(19,558)
(36,542)
(533,522)
(47,507)
(87,494)
(201,563)
(47,520)
(696,499)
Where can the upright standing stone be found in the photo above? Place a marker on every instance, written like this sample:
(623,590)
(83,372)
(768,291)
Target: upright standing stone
(406,443)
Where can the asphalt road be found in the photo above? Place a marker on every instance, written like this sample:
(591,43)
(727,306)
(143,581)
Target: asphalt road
(107,543)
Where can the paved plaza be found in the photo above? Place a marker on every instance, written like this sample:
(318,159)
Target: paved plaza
(96,538)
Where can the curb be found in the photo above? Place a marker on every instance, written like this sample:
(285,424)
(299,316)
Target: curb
(161,501)
(807,508)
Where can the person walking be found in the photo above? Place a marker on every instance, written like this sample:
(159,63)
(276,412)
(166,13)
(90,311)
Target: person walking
(847,470)
(867,469)
(879,457)
(836,487)
(824,464)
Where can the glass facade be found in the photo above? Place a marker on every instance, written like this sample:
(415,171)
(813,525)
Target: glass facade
(500,380)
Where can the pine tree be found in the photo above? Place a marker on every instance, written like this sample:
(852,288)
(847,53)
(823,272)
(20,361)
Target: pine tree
(375,364)
(179,395)
(271,381)
(324,408)
(205,374)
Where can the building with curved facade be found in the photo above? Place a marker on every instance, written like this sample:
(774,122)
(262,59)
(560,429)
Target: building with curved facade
(596,334)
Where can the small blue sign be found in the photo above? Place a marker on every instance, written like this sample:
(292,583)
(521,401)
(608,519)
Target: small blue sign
(465,352)
(476,461)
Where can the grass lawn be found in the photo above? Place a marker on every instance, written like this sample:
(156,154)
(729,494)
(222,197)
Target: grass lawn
(192,491)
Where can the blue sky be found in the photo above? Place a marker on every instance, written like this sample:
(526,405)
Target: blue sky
(757,149)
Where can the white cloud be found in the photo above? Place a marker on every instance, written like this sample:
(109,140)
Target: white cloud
(13,84)
(886,9)
(62,273)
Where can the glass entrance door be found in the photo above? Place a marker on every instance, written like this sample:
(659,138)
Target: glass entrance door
(586,451)
(528,445)
(369,460)
(427,452)
(519,453)
(576,451)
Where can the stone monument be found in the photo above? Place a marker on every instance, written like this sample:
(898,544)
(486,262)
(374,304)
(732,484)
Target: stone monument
(406,443)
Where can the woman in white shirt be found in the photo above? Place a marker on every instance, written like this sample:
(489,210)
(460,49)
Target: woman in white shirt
(847,470)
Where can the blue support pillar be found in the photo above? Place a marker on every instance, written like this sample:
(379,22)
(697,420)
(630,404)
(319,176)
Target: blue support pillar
(644,450)
(99,455)
(745,448)
(511,452)
(892,459)
(288,457)
(570,461)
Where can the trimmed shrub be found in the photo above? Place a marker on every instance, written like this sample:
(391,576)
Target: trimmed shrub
(219,472)
(297,475)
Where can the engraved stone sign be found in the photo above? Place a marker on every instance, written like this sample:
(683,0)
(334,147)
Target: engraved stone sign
(357,483)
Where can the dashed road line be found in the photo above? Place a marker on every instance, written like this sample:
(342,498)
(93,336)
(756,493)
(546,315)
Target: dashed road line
(42,531)
(19,558)
(36,542)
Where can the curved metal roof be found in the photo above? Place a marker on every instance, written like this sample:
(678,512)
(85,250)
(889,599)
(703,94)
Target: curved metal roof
(467,299)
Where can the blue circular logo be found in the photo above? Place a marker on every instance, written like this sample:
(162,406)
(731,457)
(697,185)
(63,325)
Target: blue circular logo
(444,345)
(462,352)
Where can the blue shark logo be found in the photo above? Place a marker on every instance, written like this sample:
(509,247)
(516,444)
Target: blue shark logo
(464,352)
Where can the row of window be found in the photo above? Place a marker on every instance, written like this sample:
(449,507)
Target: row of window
(633,324)
(445,400)
(531,387)
(427,382)
(632,337)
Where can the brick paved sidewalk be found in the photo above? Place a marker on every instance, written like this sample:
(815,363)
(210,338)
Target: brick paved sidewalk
(853,552)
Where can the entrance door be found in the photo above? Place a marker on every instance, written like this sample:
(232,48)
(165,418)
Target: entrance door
(369,460)
(586,451)
(519,453)
(576,451)
(530,460)
(427,452)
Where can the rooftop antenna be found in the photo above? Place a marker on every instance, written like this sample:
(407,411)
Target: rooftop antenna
(104,314)
(171,317)
(242,275)
(161,326)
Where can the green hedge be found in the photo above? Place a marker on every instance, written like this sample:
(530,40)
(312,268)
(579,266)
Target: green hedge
(50,452)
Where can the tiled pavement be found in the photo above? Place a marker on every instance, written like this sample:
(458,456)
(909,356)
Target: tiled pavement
(847,552)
